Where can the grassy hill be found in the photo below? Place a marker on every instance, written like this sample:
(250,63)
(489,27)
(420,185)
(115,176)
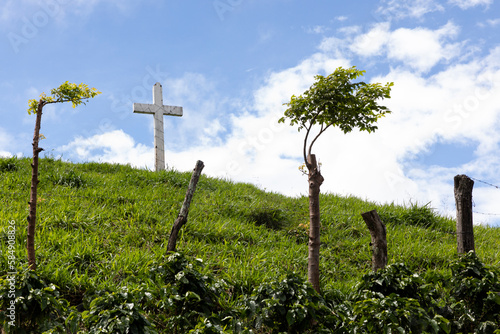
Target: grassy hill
(101,227)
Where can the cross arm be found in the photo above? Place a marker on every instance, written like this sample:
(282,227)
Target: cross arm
(172,110)
(144,108)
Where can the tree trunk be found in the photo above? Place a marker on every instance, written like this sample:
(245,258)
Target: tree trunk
(378,239)
(463,199)
(183,214)
(34,184)
(315,180)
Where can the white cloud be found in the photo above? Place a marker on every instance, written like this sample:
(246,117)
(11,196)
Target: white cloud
(400,9)
(489,23)
(316,30)
(466,4)
(114,146)
(5,154)
(280,86)
(418,48)
(373,42)
(423,48)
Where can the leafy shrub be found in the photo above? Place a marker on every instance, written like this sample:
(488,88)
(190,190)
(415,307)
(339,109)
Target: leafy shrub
(476,291)
(393,279)
(184,292)
(394,298)
(38,305)
(395,314)
(290,305)
(114,312)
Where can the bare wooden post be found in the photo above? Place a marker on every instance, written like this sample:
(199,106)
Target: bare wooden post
(379,241)
(183,214)
(463,199)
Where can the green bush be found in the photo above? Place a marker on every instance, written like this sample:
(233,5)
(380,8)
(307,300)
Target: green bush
(184,292)
(289,305)
(393,313)
(39,307)
(394,299)
(114,312)
(476,292)
(393,279)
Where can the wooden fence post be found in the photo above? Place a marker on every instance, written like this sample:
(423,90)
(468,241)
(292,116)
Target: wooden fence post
(463,199)
(379,239)
(183,214)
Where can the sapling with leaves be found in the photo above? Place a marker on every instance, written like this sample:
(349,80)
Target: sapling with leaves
(67,92)
(332,101)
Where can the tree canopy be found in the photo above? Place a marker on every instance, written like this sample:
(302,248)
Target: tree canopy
(67,92)
(336,100)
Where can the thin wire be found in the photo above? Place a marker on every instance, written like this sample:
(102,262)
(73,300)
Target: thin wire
(487,214)
(492,185)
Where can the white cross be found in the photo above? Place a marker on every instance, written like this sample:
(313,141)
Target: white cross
(158,110)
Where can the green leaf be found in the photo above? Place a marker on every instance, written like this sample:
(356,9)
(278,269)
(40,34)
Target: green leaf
(495,296)
(290,317)
(67,92)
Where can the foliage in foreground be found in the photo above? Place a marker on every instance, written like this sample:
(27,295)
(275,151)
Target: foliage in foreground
(185,300)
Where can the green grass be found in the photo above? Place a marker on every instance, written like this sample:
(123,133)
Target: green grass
(103,226)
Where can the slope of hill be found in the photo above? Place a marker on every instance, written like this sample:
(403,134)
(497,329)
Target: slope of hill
(103,227)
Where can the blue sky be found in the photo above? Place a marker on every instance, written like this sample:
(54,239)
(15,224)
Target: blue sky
(231,64)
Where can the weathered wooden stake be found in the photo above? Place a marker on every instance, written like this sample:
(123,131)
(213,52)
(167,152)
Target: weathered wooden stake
(183,214)
(379,241)
(463,199)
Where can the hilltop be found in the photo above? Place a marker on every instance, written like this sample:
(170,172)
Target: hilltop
(103,227)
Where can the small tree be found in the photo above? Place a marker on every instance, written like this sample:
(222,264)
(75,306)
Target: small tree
(67,92)
(334,100)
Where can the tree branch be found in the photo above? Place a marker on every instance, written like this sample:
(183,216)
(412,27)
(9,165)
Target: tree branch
(305,146)
(317,136)
(305,140)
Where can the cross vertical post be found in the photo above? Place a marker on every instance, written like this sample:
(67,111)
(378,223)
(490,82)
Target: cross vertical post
(158,110)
